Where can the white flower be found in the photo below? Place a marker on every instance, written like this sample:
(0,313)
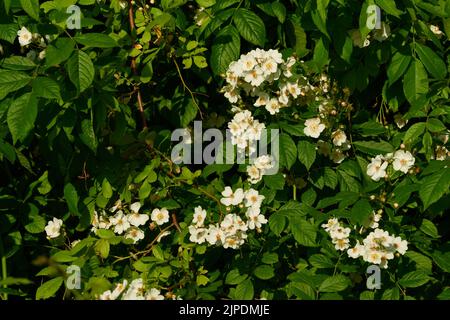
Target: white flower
(160,216)
(264,162)
(313,127)
(377,168)
(136,219)
(436,31)
(273,106)
(255,219)
(403,161)
(341,244)
(117,205)
(400,245)
(254,174)
(41,55)
(253,198)
(232,198)
(340,232)
(199,216)
(248,62)
(120,287)
(154,294)
(135,234)
(106,295)
(331,224)
(293,89)
(232,95)
(215,235)
(339,137)
(269,66)
(197,235)
(120,222)
(135,290)
(53,228)
(373,256)
(254,77)
(262,100)
(25,36)
(356,252)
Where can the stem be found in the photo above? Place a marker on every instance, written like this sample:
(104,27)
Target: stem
(133,65)
(294,192)
(4,267)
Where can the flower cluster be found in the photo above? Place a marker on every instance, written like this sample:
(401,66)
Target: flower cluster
(259,168)
(231,231)
(136,291)
(26,38)
(401,161)
(339,235)
(245,131)
(128,224)
(267,77)
(378,248)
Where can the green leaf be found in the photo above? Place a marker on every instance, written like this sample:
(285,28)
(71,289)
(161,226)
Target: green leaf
(442,260)
(415,82)
(47,88)
(81,70)
(434,186)
(37,224)
(106,189)
(18,63)
(422,262)
(269,258)
(21,116)
(288,151)
(361,211)
(244,290)
(398,66)
(429,228)
(88,135)
(250,26)
(234,277)
(59,51)
(277,223)
(11,81)
(373,148)
(334,284)
(414,132)
(279,10)
(321,261)
(96,40)
(31,7)
(414,279)
(432,62)
(225,49)
(71,196)
(102,248)
(306,153)
(49,288)
(391,294)
(264,272)
(8,32)
(274,181)
(292,208)
(390,7)
(303,231)
(435,125)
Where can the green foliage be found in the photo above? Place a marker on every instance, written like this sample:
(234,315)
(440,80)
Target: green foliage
(87,116)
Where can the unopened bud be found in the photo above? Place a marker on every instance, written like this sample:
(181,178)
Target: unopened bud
(372,197)
(395,205)
(380,211)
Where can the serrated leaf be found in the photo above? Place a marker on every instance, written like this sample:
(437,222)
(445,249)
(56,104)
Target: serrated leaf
(71,196)
(96,40)
(264,272)
(21,116)
(47,88)
(415,81)
(434,186)
(414,279)
(306,153)
(49,288)
(81,70)
(31,7)
(334,284)
(250,26)
(11,81)
(432,62)
(225,49)
(287,151)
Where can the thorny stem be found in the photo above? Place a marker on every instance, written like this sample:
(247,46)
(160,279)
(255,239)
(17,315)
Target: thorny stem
(133,65)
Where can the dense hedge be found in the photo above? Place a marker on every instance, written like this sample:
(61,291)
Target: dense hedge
(87,182)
